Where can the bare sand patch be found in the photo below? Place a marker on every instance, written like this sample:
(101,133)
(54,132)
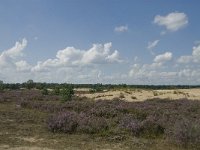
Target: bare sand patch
(28,148)
(30,139)
(141,94)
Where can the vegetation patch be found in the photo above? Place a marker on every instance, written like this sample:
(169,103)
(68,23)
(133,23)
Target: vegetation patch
(30,113)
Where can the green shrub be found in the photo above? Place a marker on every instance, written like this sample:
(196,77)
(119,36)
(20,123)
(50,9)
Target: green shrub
(155,93)
(67,94)
(1,86)
(56,91)
(133,97)
(92,90)
(121,95)
(45,91)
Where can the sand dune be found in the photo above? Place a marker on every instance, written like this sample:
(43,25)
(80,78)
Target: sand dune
(141,95)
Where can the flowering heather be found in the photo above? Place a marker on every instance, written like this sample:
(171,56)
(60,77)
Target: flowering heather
(185,133)
(176,121)
(63,122)
(129,123)
(91,124)
(70,121)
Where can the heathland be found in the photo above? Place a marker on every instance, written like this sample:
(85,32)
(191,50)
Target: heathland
(98,117)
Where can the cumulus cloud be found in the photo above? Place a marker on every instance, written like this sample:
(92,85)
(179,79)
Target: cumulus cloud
(91,66)
(194,57)
(121,29)
(146,74)
(159,72)
(152,44)
(69,65)
(136,70)
(9,57)
(70,56)
(184,59)
(173,21)
(167,56)
(196,53)
(22,65)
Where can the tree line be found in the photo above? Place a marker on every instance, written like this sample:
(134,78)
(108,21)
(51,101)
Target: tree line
(30,84)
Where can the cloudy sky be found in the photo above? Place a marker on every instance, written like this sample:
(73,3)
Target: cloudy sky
(100,41)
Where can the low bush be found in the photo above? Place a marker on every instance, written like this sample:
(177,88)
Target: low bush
(175,120)
(185,133)
(133,97)
(121,95)
(131,124)
(45,91)
(91,124)
(63,122)
(69,122)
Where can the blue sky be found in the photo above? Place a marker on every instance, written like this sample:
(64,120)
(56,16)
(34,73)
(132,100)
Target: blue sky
(107,41)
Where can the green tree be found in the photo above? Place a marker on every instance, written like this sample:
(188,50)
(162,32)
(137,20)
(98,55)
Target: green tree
(29,84)
(56,90)
(1,86)
(39,86)
(67,93)
(45,91)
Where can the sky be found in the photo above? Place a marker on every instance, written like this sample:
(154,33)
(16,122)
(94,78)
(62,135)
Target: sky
(100,41)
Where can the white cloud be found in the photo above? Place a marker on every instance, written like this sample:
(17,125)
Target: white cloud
(160,72)
(173,21)
(70,56)
(167,56)
(121,29)
(152,44)
(22,65)
(114,57)
(194,57)
(16,51)
(156,65)
(196,53)
(9,57)
(91,66)
(184,59)
(146,74)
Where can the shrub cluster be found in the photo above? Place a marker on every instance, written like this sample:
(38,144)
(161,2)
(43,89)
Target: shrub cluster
(177,121)
(70,121)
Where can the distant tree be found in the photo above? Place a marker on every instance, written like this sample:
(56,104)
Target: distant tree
(29,84)
(39,86)
(1,86)
(56,90)
(67,93)
(45,91)
(97,88)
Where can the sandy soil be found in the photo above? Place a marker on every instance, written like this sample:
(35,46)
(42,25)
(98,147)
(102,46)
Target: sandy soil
(28,148)
(141,95)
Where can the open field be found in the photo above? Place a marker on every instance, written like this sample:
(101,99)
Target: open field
(31,120)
